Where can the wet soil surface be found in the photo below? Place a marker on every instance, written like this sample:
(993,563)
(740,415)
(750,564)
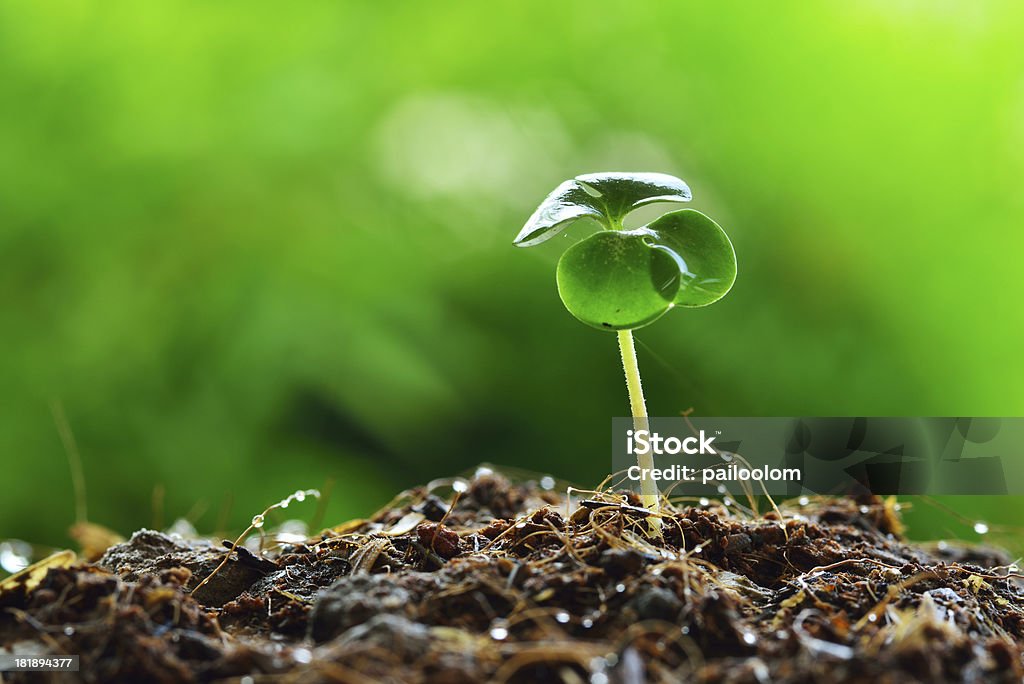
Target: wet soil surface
(507,582)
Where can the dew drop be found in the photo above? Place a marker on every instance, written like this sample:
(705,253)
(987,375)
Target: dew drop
(698,548)
(897,507)
(562,617)
(284,504)
(981,527)
(620,588)
(749,638)
(299,495)
(599,678)
(685,629)
(803,501)
(587,623)
(302,655)
(872,618)
(69,631)
(721,489)
(864,510)
(704,501)
(547,482)
(257,520)
(499,633)
(15,556)
(483,471)
(727,501)
(460,486)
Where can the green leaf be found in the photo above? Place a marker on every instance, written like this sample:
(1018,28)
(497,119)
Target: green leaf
(604,197)
(701,251)
(614,280)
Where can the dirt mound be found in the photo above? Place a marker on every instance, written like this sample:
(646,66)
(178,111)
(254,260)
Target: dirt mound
(511,584)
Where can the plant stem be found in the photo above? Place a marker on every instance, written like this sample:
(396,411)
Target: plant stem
(648,487)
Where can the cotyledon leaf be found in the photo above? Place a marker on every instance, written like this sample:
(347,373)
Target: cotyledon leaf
(604,197)
(614,280)
(702,252)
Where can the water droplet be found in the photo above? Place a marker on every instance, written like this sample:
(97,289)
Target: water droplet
(562,617)
(942,546)
(587,623)
(257,520)
(284,504)
(698,548)
(722,489)
(547,482)
(299,495)
(749,638)
(483,471)
(704,501)
(620,588)
(460,486)
(980,527)
(726,456)
(897,507)
(15,555)
(599,678)
(864,510)
(803,501)
(69,631)
(781,634)
(872,618)
(302,655)
(685,629)
(499,634)
(727,502)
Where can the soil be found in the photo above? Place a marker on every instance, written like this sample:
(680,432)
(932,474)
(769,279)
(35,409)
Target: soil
(505,582)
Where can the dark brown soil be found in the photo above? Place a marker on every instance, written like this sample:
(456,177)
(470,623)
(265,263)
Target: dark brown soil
(511,585)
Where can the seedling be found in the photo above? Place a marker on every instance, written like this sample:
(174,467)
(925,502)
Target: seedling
(619,280)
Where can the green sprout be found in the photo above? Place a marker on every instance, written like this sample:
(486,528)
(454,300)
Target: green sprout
(618,279)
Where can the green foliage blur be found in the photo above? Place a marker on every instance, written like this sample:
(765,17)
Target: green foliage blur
(253,247)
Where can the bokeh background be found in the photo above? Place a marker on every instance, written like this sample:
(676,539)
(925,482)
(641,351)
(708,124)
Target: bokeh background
(252,247)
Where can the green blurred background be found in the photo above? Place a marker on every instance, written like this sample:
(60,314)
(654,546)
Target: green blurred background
(252,247)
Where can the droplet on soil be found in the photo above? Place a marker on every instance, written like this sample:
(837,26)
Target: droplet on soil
(257,520)
(981,527)
(15,556)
